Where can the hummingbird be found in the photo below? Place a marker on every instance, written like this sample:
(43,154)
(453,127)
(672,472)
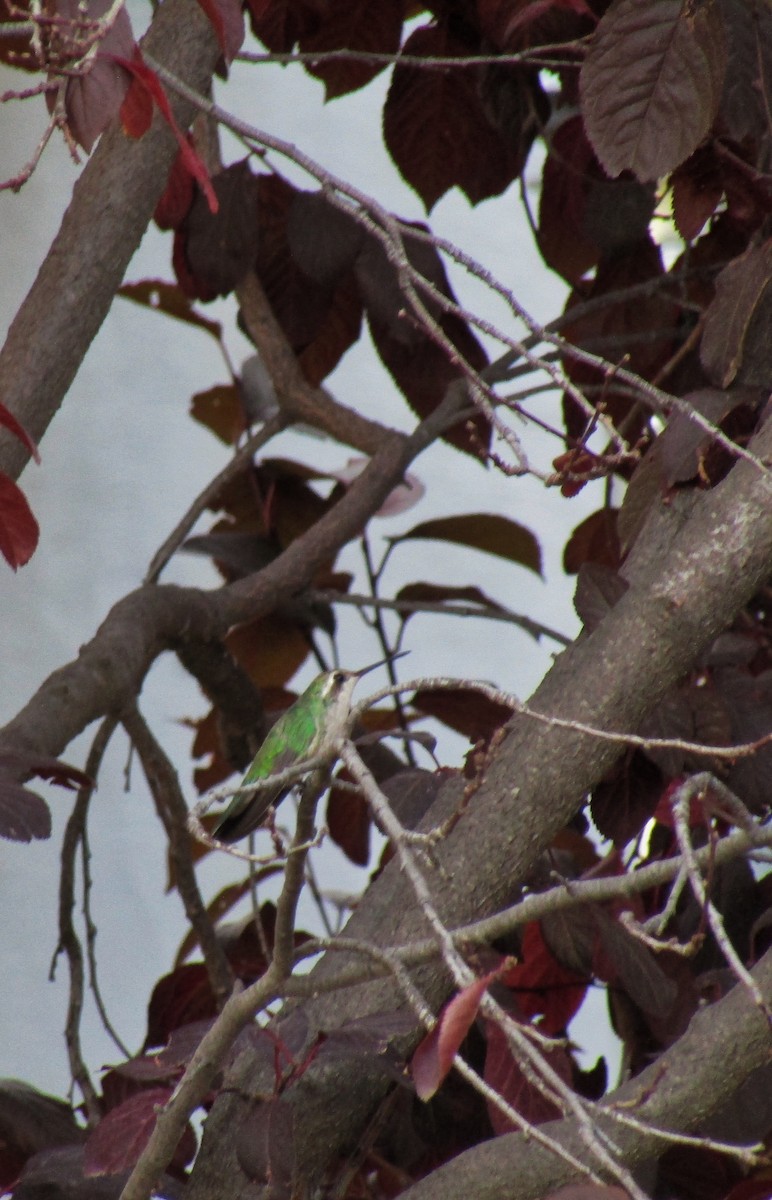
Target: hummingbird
(307,730)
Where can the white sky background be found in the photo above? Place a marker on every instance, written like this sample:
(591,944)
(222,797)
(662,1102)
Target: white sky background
(121,463)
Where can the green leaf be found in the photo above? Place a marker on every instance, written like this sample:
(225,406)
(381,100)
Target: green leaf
(483,531)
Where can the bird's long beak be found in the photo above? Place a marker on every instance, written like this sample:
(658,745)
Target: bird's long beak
(381,662)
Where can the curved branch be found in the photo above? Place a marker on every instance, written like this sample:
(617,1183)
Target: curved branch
(108,672)
(713,562)
(111,205)
(696,1077)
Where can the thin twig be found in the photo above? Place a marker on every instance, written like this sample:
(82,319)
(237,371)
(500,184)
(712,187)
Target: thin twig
(173,811)
(69,941)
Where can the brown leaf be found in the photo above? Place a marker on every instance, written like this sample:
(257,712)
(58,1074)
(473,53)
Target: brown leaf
(598,589)
(323,239)
(736,347)
(483,531)
(339,329)
(684,444)
(640,329)
(651,84)
(228,23)
(170,299)
(30,1121)
(300,302)
(747,85)
(595,541)
(697,188)
(420,367)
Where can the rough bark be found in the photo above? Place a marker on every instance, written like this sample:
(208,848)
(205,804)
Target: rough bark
(111,205)
(537,779)
(699,1076)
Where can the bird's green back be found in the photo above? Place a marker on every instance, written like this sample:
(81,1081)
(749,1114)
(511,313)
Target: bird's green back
(294,735)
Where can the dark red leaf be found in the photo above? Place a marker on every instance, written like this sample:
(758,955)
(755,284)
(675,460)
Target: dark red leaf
(23,815)
(93,99)
(323,240)
(683,445)
(421,368)
(265,1146)
(625,800)
(17,429)
(542,986)
(163,1066)
(437,129)
(353,25)
(745,102)
(19,530)
(228,23)
(150,81)
(563,239)
(177,197)
(221,243)
(584,215)
(339,329)
(300,302)
(220,408)
(640,329)
(594,540)
(435,593)
(505,1075)
(526,23)
(180,998)
(348,819)
(121,1136)
(697,189)
(651,84)
(280,23)
(598,589)
(464,710)
(434,1056)
(746,700)
(24,763)
(136,109)
(621,961)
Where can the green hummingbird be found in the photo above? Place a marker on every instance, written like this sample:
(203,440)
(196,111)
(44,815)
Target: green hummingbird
(307,730)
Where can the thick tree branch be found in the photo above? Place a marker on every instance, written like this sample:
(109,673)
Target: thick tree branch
(695,1078)
(111,205)
(537,777)
(298,399)
(108,673)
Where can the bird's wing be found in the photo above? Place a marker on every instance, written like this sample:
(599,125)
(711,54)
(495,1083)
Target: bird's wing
(248,810)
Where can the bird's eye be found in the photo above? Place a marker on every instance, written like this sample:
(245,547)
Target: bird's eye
(338,678)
